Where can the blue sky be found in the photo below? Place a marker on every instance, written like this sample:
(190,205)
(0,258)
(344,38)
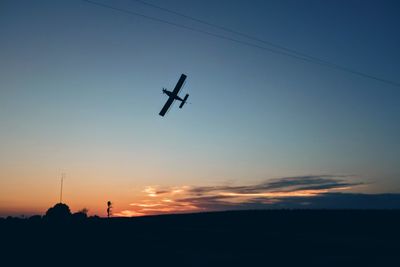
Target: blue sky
(80,92)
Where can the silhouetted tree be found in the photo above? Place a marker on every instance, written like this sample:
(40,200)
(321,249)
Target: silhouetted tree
(60,212)
(80,215)
(84,210)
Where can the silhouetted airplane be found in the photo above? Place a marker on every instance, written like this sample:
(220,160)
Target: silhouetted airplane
(174,96)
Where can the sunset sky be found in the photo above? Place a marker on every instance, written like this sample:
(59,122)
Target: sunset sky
(80,93)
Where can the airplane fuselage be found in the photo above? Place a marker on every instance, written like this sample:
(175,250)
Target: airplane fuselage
(170,94)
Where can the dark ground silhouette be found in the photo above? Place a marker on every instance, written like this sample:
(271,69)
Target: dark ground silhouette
(236,238)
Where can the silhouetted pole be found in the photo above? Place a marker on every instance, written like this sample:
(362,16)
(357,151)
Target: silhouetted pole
(61,190)
(109,207)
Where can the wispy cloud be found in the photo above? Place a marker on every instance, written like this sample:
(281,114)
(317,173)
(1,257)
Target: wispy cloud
(267,194)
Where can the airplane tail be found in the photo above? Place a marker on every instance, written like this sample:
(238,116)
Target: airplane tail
(184,101)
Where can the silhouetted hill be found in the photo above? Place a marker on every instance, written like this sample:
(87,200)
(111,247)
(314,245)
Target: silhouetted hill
(235,238)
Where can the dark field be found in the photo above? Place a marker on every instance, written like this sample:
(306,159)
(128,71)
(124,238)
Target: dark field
(237,238)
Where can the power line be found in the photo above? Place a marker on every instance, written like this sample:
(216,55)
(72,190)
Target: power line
(193,29)
(229,30)
(248,36)
(290,53)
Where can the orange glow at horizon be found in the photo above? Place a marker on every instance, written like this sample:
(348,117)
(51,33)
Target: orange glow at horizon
(299,193)
(130,198)
(183,200)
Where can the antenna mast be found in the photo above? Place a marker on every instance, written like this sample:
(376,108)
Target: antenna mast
(61,190)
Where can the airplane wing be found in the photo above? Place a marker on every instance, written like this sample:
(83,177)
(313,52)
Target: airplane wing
(179,84)
(166,106)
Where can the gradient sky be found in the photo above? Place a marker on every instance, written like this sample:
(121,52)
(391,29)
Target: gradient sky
(80,92)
